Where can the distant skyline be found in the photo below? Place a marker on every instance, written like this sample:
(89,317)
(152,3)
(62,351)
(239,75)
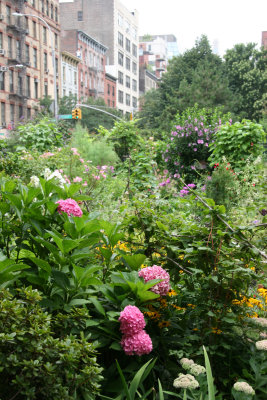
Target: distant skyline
(224,23)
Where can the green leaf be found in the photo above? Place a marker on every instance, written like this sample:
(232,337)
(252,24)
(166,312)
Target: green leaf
(78,302)
(41,263)
(134,261)
(98,306)
(140,377)
(61,279)
(69,244)
(128,396)
(211,388)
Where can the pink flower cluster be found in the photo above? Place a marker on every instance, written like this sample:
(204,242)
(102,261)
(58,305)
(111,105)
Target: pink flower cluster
(70,207)
(156,272)
(135,340)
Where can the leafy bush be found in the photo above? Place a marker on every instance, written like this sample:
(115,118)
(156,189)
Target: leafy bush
(41,136)
(237,143)
(34,362)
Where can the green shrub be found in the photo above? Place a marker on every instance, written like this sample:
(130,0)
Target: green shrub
(237,143)
(34,362)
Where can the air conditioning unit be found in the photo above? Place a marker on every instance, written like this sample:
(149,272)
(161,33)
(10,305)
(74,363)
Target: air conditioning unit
(2,52)
(1,17)
(3,68)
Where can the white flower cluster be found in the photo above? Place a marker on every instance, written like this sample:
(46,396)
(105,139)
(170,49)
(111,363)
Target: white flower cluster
(260,321)
(56,174)
(185,382)
(35,181)
(193,368)
(244,387)
(261,345)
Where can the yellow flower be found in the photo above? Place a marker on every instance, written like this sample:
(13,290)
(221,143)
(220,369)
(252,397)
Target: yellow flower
(152,314)
(178,308)
(181,271)
(216,330)
(172,293)
(181,257)
(192,305)
(164,324)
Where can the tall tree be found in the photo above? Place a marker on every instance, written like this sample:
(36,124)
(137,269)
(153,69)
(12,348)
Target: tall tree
(246,68)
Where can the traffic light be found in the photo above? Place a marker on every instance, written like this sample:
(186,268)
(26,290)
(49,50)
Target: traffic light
(76,113)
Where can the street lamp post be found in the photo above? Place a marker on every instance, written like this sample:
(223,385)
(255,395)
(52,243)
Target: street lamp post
(53,55)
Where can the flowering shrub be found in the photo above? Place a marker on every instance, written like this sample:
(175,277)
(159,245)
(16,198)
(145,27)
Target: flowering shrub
(156,272)
(135,340)
(70,207)
(189,144)
(132,320)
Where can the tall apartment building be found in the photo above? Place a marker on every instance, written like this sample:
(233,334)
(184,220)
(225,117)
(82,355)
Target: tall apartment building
(26,67)
(111,23)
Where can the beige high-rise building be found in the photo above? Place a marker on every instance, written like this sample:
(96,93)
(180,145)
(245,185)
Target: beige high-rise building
(113,25)
(26,68)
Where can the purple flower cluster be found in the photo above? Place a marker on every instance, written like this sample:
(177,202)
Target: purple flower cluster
(185,190)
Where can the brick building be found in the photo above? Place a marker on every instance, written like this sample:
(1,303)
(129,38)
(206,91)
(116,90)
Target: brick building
(264,39)
(110,91)
(27,72)
(112,24)
(91,68)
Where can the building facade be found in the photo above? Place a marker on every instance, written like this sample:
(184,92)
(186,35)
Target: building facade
(91,68)
(110,90)
(153,54)
(112,24)
(26,67)
(147,80)
(69,74)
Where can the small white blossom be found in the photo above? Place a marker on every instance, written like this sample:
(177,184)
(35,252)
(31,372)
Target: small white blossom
(56,174)
(244,387)
(260,321)
(186,363)
(196,369)
(35,181)
(261,345)
(185,382)
(47,173)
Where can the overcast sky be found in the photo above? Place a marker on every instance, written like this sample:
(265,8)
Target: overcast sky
(225,22)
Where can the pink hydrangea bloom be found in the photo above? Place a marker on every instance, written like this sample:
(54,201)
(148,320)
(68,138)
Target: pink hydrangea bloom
(132,320)
(77,179)
(156,272)
(70,207)
(138,344)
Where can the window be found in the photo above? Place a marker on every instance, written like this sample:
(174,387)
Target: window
(34,58)
(47,7)
(1,40)
(45,62)
(120,58)
(127,26)
(75,78)
(20,85)
(85,80)
(128,63)
(120,77)
(134,84)
(28,113)
(45,89)
(80,16)
(8,15)
(56,41)
(56,65)
(18,49)
(108,88)
(64,74)
(113,91)
(128,45)
(10,47)
(134,102)
(20,111)
(120,20)
(128,100)
(3,112)
(33,3)
(134,50)
(27,23)
(12,112)
(11,81)
(134,68)
(56,15)
(44,35)
(34,30)
(134,33)
(43,7)
(28,86)
(27,53)
(128,82)
(120,96)
(52,11)
(120,39)
(35,88)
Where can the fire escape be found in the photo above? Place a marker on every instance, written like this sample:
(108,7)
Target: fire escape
(16,56)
